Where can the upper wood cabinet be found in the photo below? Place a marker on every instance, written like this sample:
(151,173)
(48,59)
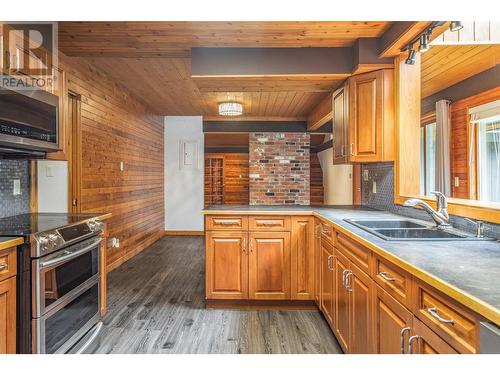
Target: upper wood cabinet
(269,265)
(226,265)
(340,125)
(302,258)
(371,117)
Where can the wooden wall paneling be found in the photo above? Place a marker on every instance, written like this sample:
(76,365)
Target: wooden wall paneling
(316,178)
(115,127)
(236,189)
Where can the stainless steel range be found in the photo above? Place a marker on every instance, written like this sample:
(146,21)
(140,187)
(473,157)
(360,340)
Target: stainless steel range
(59,308)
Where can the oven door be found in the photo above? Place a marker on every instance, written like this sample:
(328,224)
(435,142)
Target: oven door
(63,326)
(56,276)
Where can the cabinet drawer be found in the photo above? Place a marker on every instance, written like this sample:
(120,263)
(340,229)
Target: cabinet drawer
(356,252)
(227,223)
(454,323)
(394,280)
(269,223)
(8,264)
(327,232)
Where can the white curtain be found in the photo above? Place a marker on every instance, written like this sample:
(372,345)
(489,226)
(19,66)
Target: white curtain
(443,152)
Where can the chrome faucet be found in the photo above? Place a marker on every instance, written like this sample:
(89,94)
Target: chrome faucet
(440,215)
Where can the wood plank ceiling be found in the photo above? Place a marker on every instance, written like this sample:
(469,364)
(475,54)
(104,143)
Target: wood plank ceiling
(444,66)
(153,60)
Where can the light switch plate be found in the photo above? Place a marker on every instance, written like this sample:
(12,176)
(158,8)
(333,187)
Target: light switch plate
(457,182)
(49,171)
(365,175)
(122,166)
(17,187)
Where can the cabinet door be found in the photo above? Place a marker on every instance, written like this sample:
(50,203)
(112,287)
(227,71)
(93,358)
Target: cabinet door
(340,147)
(8,316)
(302,258)
(226,265)
(269,265)
(317,261)
(327,276)
(341,302)
(391,324)
(426,341)
(360,287)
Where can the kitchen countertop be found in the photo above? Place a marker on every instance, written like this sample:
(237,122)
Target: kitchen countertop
(6,242)
(468,271)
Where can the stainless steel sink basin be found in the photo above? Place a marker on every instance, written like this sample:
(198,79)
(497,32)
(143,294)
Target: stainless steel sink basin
(409,230)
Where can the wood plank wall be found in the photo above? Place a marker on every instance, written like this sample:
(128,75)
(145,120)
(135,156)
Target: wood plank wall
(235,177)
(316,176)
(117,127)
(459,138)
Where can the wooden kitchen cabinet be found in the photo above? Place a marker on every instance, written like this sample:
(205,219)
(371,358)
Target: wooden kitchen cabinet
(340,126)
(317,261)
(392,324)
(226,265)
(302,258)
(327,279)
(342,303)
(8,316)
(426,341)
(269,265)
(371,117)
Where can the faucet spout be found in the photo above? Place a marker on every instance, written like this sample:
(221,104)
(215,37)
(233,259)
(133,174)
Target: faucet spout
(440,216)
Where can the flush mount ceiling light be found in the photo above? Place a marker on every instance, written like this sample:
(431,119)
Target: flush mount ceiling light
(456,25)
(230,109)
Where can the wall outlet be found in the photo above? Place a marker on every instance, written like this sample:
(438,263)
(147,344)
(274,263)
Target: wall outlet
(115,242)
(49,172)
(122,166)
(17,187)
(374,187)
(365,175)
(457,182)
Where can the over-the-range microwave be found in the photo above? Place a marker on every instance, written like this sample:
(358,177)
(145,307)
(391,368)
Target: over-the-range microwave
(28,122)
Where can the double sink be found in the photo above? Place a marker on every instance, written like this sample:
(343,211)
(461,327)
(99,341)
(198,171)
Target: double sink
(409,230)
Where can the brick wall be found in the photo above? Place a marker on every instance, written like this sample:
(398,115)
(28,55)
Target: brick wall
(279,168)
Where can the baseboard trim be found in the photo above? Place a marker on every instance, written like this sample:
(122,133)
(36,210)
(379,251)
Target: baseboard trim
(183,233)
(259,305)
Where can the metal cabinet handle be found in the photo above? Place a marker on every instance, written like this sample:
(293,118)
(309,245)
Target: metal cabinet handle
(403,331)
(330,262)
(226,222)
(351,149)
(386,277)
(410,343)
(347,282)
(251,246)
(244,244)
(434,313)
(269,223)
(3,266)
(343,277)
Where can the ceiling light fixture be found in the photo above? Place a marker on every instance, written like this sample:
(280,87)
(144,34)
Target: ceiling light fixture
(410,60)
(230,109)
(456,25)
(424,43)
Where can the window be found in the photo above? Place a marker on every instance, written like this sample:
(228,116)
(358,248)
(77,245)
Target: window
(488,158)
(428,158)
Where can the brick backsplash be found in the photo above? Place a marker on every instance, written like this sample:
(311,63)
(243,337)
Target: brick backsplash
(279,168)
(383,199)
(13,204)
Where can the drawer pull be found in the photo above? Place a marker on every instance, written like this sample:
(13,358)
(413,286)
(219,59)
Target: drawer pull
(386,277)
(3,266)
(410,343)
(269,223)
(343,277)
(403,332)
(244,244)
(434,313)
(227,222)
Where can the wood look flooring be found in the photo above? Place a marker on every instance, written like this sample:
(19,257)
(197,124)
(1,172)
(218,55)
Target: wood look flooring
(156,305)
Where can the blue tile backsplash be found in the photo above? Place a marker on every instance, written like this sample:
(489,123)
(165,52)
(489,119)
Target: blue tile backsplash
(383,199)
(14,204)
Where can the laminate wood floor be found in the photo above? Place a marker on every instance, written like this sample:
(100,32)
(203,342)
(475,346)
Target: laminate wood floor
(156,305)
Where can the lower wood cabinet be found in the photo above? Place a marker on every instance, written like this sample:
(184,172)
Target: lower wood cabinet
(342,302)
(359,286)
(392,324)
(302,258)
(327,282)
(8,316)
(226,265)
(269,265)
(317,261)
(426,341)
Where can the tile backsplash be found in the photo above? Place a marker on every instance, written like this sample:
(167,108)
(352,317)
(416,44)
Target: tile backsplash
(11,204)
(383,175)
